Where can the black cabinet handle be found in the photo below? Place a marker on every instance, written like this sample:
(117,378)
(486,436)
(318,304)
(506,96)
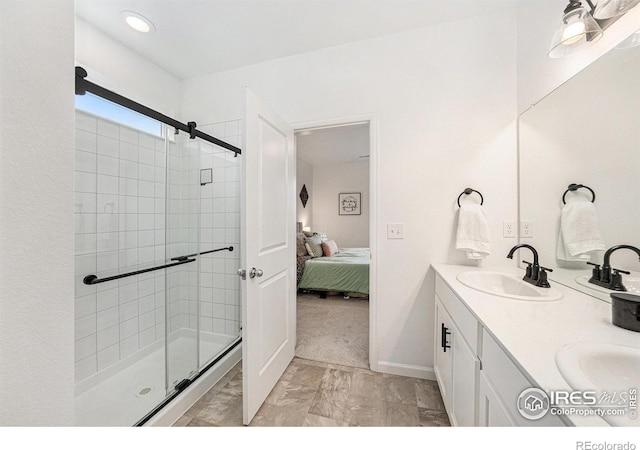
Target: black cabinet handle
(444,332)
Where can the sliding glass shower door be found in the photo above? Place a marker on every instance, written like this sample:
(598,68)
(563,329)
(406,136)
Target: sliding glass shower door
(182,243)
(120,291)
(156,253)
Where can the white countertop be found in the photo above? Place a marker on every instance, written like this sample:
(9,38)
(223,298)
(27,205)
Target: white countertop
(532,332)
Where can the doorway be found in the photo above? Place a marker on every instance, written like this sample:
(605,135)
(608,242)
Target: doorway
(335,187)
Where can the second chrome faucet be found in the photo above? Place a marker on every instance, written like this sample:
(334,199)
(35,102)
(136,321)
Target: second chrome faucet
(535,274)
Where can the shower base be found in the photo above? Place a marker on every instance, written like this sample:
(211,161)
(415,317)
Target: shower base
(124,393)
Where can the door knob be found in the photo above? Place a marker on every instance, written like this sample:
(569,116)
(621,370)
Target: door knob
(242,273)
(255,273)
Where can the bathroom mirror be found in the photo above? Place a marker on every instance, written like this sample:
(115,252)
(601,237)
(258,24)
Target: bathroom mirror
(585,132)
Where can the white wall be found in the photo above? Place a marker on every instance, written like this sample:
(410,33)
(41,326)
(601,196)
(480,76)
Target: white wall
(537,73)
(120,69)
(36,219)
(328,182)
(446,122)
(304,177)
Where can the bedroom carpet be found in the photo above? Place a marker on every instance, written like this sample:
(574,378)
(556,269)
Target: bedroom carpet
(333,330)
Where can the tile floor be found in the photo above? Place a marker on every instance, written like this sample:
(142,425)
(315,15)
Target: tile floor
(312,393)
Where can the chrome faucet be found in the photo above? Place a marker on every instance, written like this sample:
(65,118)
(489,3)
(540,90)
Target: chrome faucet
(535,274)
(603,276)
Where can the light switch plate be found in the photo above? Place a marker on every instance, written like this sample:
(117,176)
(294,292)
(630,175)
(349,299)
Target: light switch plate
(395,231)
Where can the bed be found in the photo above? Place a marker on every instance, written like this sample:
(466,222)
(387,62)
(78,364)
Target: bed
(345,271)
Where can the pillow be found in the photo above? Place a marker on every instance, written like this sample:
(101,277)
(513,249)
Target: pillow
(329,248)
(309,251)
(300,248)
(315,245)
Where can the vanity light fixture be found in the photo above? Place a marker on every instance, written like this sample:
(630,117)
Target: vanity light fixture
(138,22)
(581,28)
(606,9)
(577,31)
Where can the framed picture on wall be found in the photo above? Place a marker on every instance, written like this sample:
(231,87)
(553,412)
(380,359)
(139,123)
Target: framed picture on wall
(349,204)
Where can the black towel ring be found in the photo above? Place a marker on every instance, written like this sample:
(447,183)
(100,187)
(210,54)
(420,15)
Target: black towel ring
(574,187)
(468,191)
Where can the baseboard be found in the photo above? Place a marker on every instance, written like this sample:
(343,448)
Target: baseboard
(406,370)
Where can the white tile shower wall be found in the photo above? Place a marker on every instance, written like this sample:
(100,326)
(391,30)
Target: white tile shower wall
(119,225)
(220,227)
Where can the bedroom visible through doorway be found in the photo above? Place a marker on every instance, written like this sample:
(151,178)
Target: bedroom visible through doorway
(333,243)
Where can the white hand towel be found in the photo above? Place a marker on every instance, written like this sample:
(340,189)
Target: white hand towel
(579,231)
(564,256)
(473,232)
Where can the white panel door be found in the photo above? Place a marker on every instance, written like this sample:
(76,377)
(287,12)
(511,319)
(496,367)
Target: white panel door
(268,252)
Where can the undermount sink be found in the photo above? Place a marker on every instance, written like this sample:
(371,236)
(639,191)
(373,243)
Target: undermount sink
(632,283)
(600,367)
(504,285)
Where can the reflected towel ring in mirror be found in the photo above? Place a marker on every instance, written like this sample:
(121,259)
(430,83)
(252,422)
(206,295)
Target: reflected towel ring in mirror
(468,191)
(574,187)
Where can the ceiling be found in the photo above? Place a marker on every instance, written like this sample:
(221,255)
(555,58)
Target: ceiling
(333,145)
(199,37)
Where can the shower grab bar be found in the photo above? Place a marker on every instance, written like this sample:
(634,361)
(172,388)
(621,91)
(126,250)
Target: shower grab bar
(93,279)
(83,86)
(182,258)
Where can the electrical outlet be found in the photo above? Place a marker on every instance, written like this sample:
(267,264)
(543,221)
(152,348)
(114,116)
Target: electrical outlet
(526,228)
(509,228)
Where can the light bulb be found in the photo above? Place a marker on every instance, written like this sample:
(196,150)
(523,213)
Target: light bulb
(573,33)
(138,24)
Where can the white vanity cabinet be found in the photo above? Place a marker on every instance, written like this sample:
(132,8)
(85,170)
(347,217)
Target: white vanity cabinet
(491,410)
(479,382)
(501,383)
(456,366)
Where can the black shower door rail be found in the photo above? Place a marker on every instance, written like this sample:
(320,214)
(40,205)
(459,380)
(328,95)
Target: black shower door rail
(83,86)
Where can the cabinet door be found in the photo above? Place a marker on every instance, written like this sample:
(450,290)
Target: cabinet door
(492,412)
(465,372)
(443,356)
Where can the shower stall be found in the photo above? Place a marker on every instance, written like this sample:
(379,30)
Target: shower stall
(157,234)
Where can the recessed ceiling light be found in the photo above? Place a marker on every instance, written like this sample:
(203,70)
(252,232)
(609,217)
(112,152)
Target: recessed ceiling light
(138,22)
